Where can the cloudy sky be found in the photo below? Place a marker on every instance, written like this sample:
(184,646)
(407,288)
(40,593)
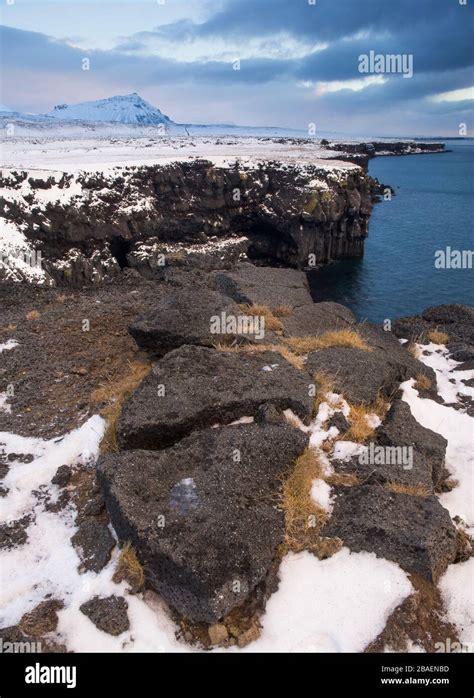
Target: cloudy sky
(299,60)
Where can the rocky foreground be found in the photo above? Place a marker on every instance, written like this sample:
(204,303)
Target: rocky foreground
(244,442)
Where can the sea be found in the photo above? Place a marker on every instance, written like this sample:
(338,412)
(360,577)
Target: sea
(417,240)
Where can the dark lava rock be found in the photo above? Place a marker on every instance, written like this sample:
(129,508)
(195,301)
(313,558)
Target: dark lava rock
(358,374)
(269,414)
(42,619)
(15,641)
(184,317)
(361,375)
(15,533)
(268,286)
(456,320)
(339,421)
(62,476)
(415,532)
(317,319)
(203,387)
(400,428)
(203,515)
(386,344)
(93,507)
(94,543)
(108,614)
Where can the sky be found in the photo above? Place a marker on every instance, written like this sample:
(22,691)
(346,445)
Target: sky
(288,63)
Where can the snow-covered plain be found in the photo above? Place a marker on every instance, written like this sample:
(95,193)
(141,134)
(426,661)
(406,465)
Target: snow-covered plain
(71,153)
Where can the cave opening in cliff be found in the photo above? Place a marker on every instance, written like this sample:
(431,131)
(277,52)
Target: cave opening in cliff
(119,249)
(270,247)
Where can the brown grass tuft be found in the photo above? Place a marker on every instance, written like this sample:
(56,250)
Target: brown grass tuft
(423,382)
(111,397)
(360,430)
(414,490)
(338,338)
(292,359)
(283,311)
(343,480)
(271,321)
(438,337)
(414,350)
(129,568)
(326,385)
(32,315)
(304,518)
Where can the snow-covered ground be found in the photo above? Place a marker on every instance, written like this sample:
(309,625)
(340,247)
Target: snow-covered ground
(83,153)
(340,604)
(457,584)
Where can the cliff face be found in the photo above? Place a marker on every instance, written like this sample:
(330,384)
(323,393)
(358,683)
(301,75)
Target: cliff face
(89,226)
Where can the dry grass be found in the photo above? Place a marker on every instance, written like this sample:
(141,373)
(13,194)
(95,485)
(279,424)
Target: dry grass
(32,315)
(360,430)
(343,480)
(339,338)
(414,350)
(326,385)
(283,311)
(423,382)
(414,490)
(304,518)
(129,568)
(293,421)
(111,397)
(271,321)
(292,359)
(438,337)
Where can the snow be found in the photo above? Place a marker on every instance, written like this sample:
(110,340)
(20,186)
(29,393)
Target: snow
(457,591)
(336,605)
(93,151)
(18,260)
(9,344)
(321,495)
(448,381)
(456,426)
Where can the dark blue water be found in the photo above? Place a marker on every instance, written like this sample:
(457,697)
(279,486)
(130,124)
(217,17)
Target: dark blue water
(433,208)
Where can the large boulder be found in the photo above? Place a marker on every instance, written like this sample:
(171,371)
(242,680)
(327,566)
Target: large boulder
(456,320)
(268,286)
(387,345)
(203,515)
(189,316)
(415,532)
(317,319)
(400,429)
(359,375)
(195,387)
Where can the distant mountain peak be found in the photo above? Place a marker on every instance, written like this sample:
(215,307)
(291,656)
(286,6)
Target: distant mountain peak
(125,109)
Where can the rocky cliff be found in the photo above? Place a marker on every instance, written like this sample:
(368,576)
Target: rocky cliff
(90,226)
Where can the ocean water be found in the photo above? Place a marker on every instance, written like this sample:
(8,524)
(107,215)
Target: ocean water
(433,209)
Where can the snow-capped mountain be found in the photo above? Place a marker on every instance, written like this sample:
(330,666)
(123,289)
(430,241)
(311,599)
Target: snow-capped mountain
(124,109)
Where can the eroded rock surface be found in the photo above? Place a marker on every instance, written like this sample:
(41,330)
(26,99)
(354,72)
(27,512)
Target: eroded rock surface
(204,513)
(415,532)
(195,387)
